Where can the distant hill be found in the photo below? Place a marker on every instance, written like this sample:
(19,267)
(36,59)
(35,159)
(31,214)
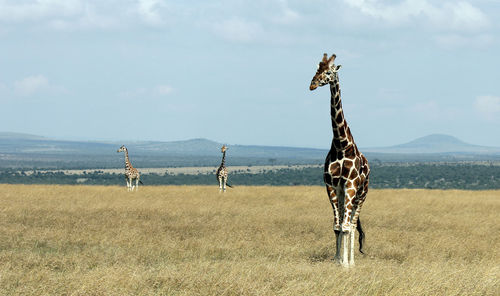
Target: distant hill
(23,150)
(436,143)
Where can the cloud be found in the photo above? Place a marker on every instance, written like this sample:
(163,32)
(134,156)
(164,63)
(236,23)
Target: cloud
(82,14)
(149,11)
(286,15)
(13,11)
(31,85)
(450,15)
(488,107)
(156,91)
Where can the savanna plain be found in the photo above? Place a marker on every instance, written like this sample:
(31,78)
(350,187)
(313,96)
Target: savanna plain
(193,240)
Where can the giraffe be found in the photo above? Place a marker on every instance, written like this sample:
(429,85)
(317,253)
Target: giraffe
(346,171)
(131,173)
(222,171)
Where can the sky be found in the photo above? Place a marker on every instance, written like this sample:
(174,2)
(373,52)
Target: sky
(238,71)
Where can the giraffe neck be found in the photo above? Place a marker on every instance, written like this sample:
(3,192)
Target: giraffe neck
(128,165)
(342,137)
(223,162)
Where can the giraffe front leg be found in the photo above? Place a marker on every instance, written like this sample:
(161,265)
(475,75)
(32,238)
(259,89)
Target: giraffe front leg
(332,194)
(351,246)
(350,193)
(220,184)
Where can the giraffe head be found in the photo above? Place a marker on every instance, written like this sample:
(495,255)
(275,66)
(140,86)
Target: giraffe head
(223,148)
(122,149)
(327,72)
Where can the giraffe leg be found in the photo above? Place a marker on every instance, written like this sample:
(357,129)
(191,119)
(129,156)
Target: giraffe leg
(220,184)
(350,194)
(338,245)
(137,184)
(351,246)
(358,202)
(332,194)
(345,245)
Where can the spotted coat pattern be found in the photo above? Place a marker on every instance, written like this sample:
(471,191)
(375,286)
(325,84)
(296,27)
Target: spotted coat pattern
(222,171)
(131,173)
(346,170)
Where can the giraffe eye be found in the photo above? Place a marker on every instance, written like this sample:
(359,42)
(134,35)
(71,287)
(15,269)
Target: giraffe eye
(328,73)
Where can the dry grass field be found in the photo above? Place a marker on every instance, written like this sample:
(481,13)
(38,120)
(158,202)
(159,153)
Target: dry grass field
(191,240)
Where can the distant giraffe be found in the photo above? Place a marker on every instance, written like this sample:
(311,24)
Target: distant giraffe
(222,171)
(346,172)
(131,173)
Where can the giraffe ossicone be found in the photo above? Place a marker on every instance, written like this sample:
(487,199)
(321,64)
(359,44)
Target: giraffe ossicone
(131,173)
(346,170)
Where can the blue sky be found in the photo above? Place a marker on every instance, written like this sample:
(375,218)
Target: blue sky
(238,71)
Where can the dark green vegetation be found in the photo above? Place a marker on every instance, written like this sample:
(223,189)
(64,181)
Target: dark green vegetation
(471,176)
(436,161)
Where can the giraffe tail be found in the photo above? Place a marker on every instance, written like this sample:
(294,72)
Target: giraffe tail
(361,236)
(141,182)
(227,184)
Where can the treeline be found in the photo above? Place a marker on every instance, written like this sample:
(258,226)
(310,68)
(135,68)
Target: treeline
(422,175)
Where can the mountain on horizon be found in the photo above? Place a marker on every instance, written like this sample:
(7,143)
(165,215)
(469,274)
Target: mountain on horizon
(26,143)
(436,143)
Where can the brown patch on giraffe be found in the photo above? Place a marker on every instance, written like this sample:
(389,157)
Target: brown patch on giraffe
(350,193)
(348,184)
(349,207)
(346,168)
(334,168)
(349,152)
(339,118)
(356,182)
(335,182)
(353,175)
(342,132)
(357,163)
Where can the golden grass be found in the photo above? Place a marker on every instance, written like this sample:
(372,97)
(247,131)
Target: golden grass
(191,240)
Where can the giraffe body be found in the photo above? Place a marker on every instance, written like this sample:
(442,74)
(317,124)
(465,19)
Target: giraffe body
(346,170)
(222,171)
(131,173)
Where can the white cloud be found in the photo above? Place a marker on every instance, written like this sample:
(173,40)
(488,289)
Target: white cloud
(31,85)
(156,91)
(286,15)
(149,11)
(13,11)
(488,107)
(450,15)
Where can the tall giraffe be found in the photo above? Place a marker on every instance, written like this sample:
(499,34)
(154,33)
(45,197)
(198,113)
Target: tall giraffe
(131,173)
(222,171)
(346,173)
